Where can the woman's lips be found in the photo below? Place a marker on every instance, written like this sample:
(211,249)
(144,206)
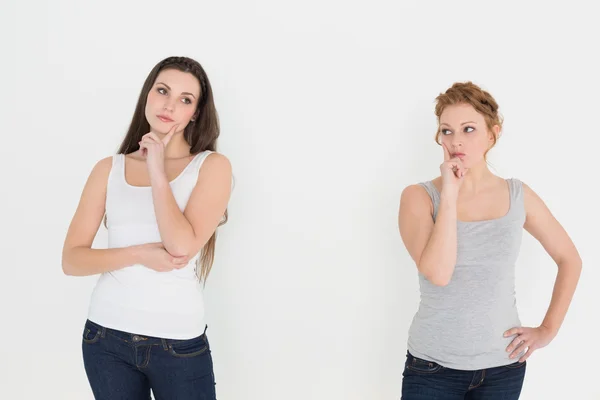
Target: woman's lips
(164,119)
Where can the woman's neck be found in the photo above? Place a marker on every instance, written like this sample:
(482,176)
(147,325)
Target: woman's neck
(177,147)
(477,178)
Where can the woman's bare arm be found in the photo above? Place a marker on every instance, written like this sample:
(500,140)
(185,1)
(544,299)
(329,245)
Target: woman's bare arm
(544,227)
(78,258)
(185,233)
(431,245)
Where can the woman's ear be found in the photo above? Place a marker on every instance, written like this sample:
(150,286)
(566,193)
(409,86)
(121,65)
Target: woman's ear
(496,131)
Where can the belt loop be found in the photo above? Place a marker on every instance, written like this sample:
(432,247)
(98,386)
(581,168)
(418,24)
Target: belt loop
(103,335)
(205,328)
(164,343)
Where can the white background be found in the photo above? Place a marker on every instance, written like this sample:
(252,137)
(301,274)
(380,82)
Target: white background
(327,113)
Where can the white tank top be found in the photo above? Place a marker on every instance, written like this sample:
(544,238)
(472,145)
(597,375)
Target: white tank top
(137,299)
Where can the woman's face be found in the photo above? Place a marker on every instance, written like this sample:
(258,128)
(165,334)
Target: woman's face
(464,132)
(172,100)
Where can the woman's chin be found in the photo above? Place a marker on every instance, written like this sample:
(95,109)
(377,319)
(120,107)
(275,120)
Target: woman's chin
(160,129)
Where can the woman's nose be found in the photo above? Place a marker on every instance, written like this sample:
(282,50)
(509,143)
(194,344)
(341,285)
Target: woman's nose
(169,105)
(456,141)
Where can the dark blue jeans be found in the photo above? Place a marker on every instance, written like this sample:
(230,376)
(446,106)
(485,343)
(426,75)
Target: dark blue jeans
(121,365)
(426,380)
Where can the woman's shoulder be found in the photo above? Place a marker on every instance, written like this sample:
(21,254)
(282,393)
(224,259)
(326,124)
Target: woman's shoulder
(104,165)
(214,162)
(100,172)
(426,187)
(215,157)
(517,186)
(436,182)
(422,191)
(530,197)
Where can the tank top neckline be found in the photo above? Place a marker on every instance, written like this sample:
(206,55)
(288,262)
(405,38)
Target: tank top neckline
(499,219)
(123,176)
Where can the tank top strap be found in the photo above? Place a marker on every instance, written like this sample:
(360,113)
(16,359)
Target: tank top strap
(117,172)
(197,162)
(517,197)
(433,194)
(118,162)
(516,189)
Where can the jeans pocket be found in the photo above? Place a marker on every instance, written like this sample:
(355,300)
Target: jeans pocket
(91,332)
(189,348)
(516,365)
(421,366)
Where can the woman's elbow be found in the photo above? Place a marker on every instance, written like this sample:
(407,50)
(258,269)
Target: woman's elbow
(439,281)
(437,278)
(573,262)
(67,268)
(181,250)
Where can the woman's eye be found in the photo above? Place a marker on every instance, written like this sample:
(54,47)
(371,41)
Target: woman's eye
(161,90)
(186,100)
(446,131)
(469,129)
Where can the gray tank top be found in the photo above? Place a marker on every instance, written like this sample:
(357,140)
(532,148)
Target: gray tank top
(461,325)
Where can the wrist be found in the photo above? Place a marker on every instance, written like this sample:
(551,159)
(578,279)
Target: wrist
(136,254)
(449,195)
(553,329)
(159,179)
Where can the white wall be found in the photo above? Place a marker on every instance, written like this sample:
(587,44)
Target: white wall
(327,113)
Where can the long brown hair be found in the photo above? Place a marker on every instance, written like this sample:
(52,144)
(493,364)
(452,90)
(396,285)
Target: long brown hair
(479,99)
(201,133)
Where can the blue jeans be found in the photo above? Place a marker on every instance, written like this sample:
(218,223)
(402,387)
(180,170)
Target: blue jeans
(426,380)
(121,365)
